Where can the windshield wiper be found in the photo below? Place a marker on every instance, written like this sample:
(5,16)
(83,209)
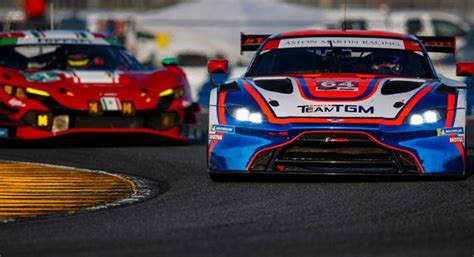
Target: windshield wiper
(334,56)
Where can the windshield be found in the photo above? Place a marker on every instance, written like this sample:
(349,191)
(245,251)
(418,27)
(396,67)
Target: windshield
(67,57)
(313,60)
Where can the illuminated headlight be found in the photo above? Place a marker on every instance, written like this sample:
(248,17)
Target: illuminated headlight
(430,116)
(34,91)
(167,92)
(244,114)
(256,117)
(177,92)
(416,119)
(21,92)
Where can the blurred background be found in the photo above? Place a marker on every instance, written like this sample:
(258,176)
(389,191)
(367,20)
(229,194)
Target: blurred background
(194,31)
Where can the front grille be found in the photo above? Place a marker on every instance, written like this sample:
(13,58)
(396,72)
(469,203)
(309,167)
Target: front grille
(160,121)
(108,122)
(335,153)
(113,120)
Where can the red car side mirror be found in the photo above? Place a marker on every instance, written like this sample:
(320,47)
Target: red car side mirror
(465,69)
(218,66)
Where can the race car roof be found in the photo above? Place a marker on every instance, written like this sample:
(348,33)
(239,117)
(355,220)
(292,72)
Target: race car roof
(55,37)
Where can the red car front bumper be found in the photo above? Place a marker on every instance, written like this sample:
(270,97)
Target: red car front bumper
(179,125)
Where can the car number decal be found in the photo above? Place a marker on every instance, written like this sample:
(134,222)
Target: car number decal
(336,85)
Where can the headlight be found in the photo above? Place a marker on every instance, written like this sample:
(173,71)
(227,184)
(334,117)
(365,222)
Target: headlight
(430,116)
(34,91)
(177,92)
(21,92)
(167,92)
(245,114)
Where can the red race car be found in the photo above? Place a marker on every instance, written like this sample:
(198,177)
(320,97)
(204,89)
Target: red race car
(54,83)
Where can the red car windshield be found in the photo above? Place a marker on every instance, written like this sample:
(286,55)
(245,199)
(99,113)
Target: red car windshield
(67,57)
(334,58)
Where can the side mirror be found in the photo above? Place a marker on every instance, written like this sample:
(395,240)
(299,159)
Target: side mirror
(218,67)
(169,61)
(465,69)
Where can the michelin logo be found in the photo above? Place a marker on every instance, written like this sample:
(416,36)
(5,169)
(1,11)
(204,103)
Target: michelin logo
(223,129)
(450,131)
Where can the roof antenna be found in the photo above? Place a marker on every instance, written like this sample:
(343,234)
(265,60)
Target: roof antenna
(344,24)
(51,16)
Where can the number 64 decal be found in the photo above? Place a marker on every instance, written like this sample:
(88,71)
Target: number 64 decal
(337,85)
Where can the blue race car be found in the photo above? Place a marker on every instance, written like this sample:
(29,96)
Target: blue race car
(338,102)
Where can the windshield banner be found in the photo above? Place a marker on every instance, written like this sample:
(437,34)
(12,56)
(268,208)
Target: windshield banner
(385,43)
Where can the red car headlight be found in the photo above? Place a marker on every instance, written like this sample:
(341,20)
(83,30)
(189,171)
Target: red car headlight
(177,92)
(22,92)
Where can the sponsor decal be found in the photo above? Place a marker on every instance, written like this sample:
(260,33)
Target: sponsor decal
(450,131)
(96,77)
(108,94)
(355,42)
(16,103)
(111,104)
(41,77)
(336,108)
(335,120)
(456,139)
(215,137)
(337,85)
(61,41)
(3,132)
(223,129)
(64,41)
(336,140)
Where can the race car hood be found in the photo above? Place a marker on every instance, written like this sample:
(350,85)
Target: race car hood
(341,97)
(75,89)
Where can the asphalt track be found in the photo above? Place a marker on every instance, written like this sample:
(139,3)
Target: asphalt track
(193,216)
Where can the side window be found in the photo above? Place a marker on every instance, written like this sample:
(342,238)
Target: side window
(414,26)
(447,29)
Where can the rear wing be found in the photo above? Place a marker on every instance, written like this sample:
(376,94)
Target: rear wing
(251,42)
(439,44)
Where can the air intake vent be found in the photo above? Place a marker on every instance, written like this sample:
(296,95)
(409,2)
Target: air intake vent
(283,86)
(398,87)
(444,89)
(335,153)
